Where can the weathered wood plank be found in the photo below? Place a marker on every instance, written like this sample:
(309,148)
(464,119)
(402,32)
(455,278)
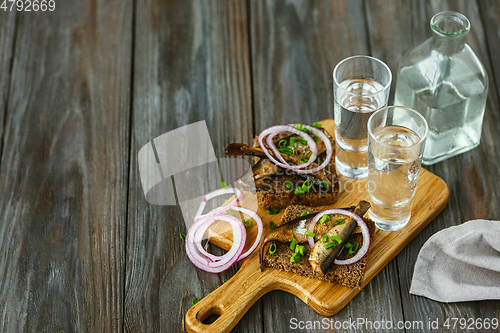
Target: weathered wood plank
(295,46)
(191,64)
(472,177)
(7,35)
(64,171)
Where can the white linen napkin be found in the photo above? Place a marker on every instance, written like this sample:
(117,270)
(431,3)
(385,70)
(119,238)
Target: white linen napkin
(460,263)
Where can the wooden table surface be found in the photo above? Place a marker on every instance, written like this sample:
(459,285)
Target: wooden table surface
(84,87)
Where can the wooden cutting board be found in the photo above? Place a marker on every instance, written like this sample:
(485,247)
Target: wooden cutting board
(231,300)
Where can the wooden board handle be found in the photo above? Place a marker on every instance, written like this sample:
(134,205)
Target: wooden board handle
(231,300)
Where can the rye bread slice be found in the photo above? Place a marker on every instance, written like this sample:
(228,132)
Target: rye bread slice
(347,275)
(282,199)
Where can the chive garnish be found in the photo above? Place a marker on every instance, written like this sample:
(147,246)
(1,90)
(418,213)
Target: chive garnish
(325,238)
(325,183)
(340,221)
(282,143)
(295,257)
(247,222)
(183,236)
(329,245)
(288,185)
(308,233)
(299,190)
(304,213)
(317,125)
(272,225)
(302,141)
(336,239)
(298,126)
(292,244)
(223,184)
(353,249)
(324,219)
(272,249)
(292,141)
(196,300)
(272,211)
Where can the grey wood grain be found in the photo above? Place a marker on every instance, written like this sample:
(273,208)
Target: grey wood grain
(7,36)
(191,63)
(295,46)
(472,177)
(63,178)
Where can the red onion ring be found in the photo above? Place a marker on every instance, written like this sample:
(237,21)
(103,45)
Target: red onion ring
(225,261)
(198,235)
(271,132)
(364,231)
(221,209)
(260,227)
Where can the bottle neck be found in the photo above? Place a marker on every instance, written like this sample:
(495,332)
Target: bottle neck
(447,45)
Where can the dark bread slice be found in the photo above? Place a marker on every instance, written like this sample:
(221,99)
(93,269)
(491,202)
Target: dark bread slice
(283,199)
(347,275)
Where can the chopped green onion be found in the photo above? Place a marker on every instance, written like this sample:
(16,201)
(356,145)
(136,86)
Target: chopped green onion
(304,213)
(288,185)
(287,151)
(325,238)
(272,249)
(308,233)
(336,239)
(300,249)
(298,126)
(272,225)
(282,143)
(196,300)
(307,184)
(303,160)
(353,249)
(183,236)
(292,244)
(329,245)
(225,280)
(340,221)
(347,208)
(325,183)
(305,130)
(317,125)
(223,184)
(273,211)
(302,141)
(325,218)
(309,153)
(348,245)
(299,190)
(315,138)
(292,141)
(247,222)
(295,257)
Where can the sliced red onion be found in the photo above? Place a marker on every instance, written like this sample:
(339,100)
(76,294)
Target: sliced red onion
(225,261)
(364,231)
(221,209)
(271,132)
(328,147)
(260,227)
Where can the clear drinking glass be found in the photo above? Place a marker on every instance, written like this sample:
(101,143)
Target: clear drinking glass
(395,148)
(361,86)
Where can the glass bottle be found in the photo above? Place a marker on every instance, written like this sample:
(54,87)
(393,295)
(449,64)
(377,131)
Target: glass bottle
(444,80)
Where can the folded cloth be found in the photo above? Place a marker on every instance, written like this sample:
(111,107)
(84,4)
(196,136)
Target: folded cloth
(460,263)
